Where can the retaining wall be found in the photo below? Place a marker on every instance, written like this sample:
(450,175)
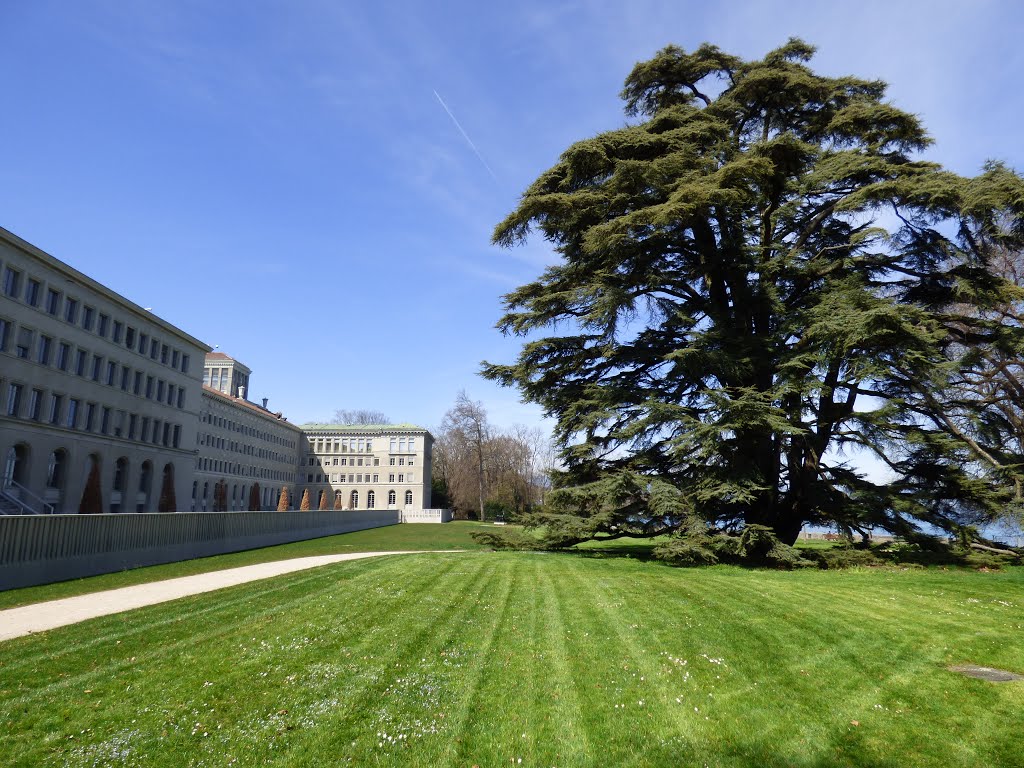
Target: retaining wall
(40,549)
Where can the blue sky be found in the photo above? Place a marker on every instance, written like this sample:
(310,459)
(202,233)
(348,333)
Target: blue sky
(280,179)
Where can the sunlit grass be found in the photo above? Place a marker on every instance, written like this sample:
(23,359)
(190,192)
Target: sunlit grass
(490,658)
(454,535)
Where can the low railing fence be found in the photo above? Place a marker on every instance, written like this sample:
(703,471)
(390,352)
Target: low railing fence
(426,516)
(40,549)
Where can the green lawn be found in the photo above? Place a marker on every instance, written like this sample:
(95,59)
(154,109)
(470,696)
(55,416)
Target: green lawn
(487,659)
(454,535)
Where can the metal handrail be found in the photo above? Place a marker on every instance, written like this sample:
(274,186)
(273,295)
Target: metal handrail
(46,508)
(24,508)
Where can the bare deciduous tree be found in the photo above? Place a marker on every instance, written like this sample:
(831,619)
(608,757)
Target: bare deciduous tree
(360,416)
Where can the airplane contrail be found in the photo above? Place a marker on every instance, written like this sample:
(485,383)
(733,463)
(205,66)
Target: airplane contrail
(466,137)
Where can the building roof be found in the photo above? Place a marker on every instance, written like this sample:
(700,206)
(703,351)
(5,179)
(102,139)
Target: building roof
(243,403)
(218,356)
(82,279)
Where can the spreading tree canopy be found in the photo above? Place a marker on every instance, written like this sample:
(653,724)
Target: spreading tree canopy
(760,282)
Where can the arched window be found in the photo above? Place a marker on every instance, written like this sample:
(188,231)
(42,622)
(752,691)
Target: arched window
(145,487)
(370,499)
(337,499)
(206,494)
(120,485)
(392,498)
(56,469)
(195,493)
(16,465)
(408,498)
(353,500)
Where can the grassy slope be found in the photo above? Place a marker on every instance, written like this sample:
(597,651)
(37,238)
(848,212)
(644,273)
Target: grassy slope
(394,537)
(486,658)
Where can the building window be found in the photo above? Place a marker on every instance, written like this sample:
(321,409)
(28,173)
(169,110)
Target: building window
(126,378)
(181,398)
(72,419)
(12,282)
(394,444)
(391,498)
(408,498)
(111,372)
(375,478)
(137,383)
(391,461)
(24,343)
(80,362)
(88,317)
(97,365)
(353,500)
(391,478)
(5,329)
(154,349)
(164,354)
(149,387)
(133,423)
(160,390)
(45,344)
(184,363)
(144,432)
(52,301)
(370,499)
(401,461)
(14,399)
(90,416)
(63,354)
(401,478)
(105,421)
(129,337)
(143,343)
(118,332)
(174,359)
(56,401)
(70,310)
(176,440)
(102,327)
(32,291)
(412,444)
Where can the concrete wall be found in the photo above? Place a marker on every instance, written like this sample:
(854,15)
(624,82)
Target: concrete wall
(41,549)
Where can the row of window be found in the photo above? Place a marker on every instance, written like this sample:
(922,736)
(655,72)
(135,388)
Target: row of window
(33,404)
(371,498)
(53,302)
(234,468)
(357,478)
(360,445)
(46,351)
(234,426)
(223,444)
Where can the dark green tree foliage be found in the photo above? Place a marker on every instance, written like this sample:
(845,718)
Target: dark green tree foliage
(757,280)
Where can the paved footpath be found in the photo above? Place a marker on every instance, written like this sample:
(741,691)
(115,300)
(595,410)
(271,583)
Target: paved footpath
(39,617)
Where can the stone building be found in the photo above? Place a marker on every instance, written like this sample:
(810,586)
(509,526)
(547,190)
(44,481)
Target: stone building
(92,383)
(379,466)
(241,444)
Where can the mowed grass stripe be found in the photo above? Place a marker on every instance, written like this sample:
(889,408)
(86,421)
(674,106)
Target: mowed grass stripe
(177,637)
(488,658)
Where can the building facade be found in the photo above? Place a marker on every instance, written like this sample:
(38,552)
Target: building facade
(242,444)
(380,466)
(96,391)
(90,383)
